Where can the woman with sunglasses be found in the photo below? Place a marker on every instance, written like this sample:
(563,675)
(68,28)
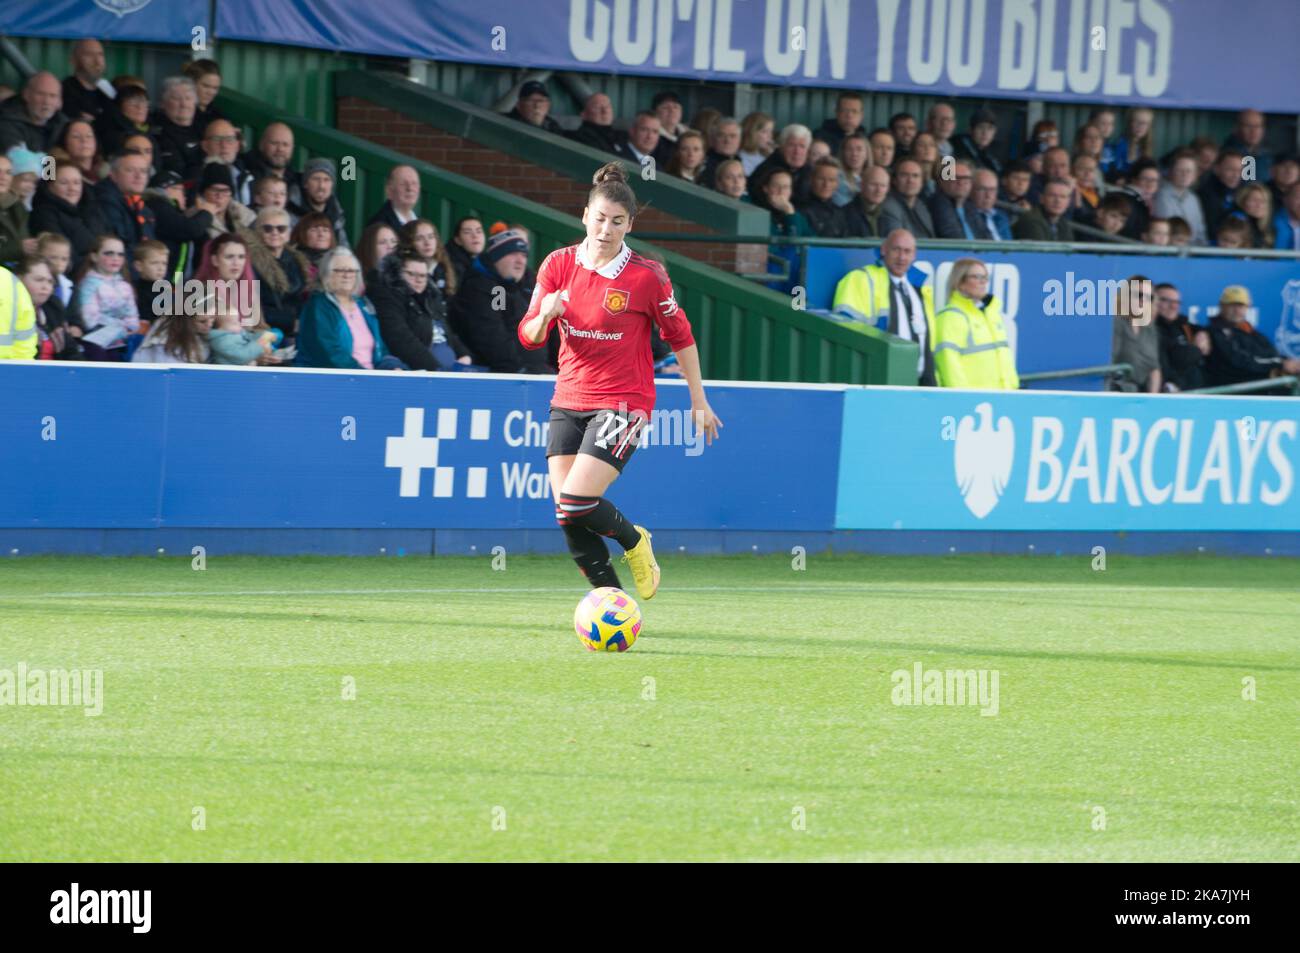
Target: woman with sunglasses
(284,274)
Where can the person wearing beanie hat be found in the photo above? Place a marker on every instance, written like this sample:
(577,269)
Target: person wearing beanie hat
(26,173)
(1238,352)
(478,317)
(509,241)
(319,176)
(533,106)
(216,194)
(15,238)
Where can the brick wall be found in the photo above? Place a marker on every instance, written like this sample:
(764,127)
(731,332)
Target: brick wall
(419,140)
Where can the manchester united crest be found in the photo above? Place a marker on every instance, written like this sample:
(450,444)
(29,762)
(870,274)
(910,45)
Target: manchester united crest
(616,300)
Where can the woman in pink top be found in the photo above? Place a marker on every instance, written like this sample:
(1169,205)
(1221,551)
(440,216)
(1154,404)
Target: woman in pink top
(338,327)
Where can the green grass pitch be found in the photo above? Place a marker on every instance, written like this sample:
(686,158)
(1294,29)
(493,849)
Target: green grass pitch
(754,719)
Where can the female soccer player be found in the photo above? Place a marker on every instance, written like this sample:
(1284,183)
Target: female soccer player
(605,297)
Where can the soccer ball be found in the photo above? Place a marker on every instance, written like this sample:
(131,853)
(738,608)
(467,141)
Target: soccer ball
(607,620)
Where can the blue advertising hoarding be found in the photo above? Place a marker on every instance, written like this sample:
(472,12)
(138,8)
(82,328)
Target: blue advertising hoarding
(141,446)
(1159,52)
(918,459)
(1052,326)
(145,21)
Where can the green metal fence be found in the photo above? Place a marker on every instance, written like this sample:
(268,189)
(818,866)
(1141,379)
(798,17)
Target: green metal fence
(744,332)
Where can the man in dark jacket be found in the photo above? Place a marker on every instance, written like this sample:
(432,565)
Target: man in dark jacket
(402,189)
(493,298)
(644,140)
(1183,345)
(597,129)
(1218,192)
(904,208)
(1048,221)
(533,106)
(273,156)
(183,230)
(318,182)
(790,155)
(1240,353)
(948,208)
(120,198)
(846,121)
(413,315)
(179,138)
(33,119)
(83,92)
(827,219)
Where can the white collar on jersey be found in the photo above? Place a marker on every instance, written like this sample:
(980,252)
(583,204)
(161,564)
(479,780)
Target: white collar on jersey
(610,269)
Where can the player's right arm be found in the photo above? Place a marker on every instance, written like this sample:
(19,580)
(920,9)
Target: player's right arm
(547,305)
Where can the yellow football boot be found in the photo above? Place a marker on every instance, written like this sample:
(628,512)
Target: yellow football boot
(641,560)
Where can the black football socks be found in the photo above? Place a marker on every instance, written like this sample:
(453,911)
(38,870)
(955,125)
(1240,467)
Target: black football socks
(589,552)
(601,516)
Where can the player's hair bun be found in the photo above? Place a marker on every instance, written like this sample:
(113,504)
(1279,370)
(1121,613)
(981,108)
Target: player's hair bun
(610,172)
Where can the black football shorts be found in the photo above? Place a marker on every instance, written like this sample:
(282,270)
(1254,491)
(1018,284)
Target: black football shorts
(609,435)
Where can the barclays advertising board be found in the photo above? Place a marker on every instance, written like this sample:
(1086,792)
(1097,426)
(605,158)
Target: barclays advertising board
(145,446)
(984,460)
(1056,304)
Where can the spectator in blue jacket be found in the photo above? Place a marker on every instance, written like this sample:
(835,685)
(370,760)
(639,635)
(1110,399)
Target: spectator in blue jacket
(1286,223)
(338,326)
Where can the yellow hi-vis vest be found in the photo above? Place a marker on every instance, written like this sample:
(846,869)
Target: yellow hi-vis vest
(864,294)
(971,348)
(17,319)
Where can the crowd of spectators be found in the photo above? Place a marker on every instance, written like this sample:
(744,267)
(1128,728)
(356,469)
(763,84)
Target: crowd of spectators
(1234,194)
(158,235)
(102,196)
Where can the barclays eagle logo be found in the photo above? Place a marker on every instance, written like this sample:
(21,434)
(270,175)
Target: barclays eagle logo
(120,8)
(982,459)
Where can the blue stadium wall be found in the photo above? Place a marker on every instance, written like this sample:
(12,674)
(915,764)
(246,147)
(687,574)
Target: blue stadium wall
(121,460)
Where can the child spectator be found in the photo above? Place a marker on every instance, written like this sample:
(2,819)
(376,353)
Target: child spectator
(1113,213)
(150,257)
(1157,232)
(177,339)
(26,172)
(105,301)
(232,343)
(756,142)
(1180,233)
(53,342)
(14,240)
(271,191)
(1233,233)
(57,250)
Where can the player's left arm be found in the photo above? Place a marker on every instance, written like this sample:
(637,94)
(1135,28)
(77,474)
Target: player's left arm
(675,329)
(688,358)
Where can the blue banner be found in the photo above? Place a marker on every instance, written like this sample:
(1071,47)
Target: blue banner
(962,460)
(146,21)
(139,446)
(1056,304)
(1159,52)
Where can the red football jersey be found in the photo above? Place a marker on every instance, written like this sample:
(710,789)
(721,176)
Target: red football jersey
(605,358)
